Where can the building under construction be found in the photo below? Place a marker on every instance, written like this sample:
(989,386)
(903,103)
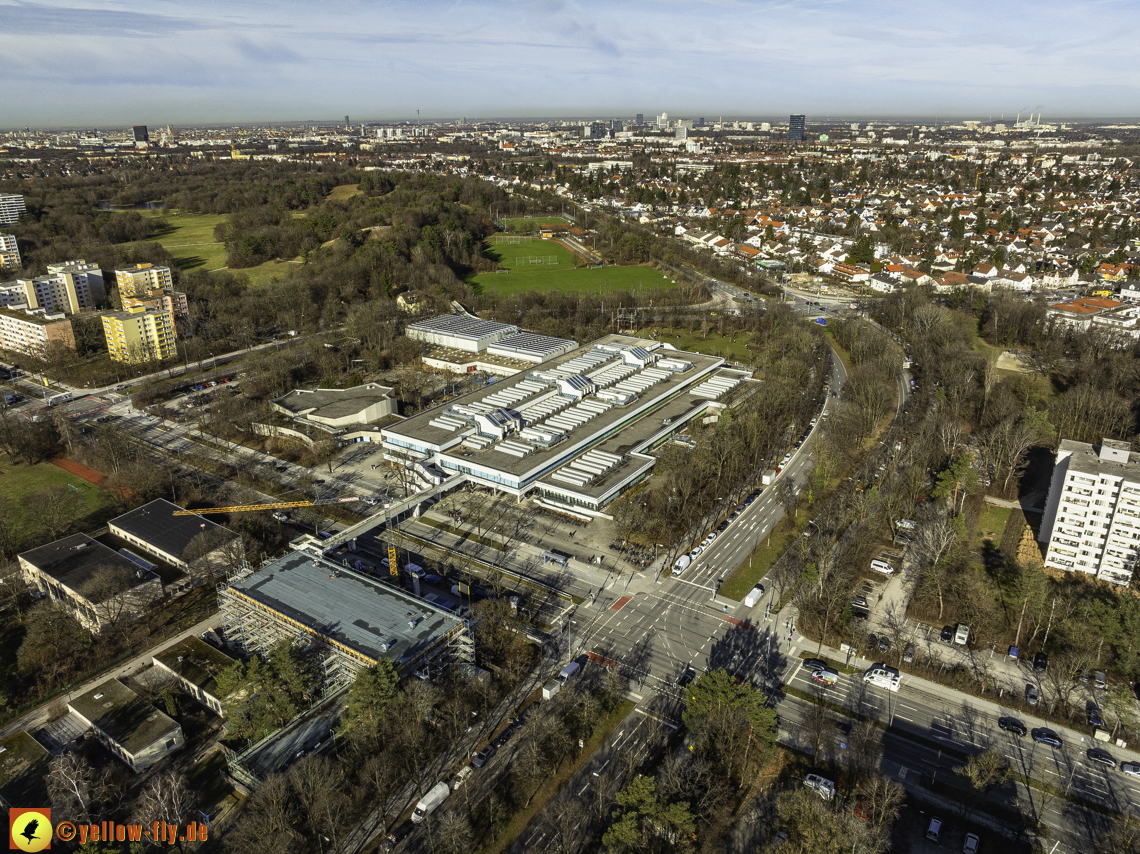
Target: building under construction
(350,620)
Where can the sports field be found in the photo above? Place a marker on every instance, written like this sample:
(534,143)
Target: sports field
(545,255)
(19,482)
(582,280)
(190,239)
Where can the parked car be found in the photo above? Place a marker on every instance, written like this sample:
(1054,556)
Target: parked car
(1012,725)
(962,635)
(1132,769)
(971,843)
(884,643)
(1100,756)
(859,601)
(400,832)
(908,653)
(1031,695)
(1041,662)
(483,755)
(1094,716)
(823,787)
(1044,735)
(934,829)
(814,664)
(947,634)
(872,641)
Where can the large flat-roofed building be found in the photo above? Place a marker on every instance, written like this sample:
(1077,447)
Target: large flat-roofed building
(461,343)
(173,301)
(81,284)
(352,620)
(139,334)
(459,331)
(129,726)
(196,665)
(11,208)
(1092,516)
(9,252)
(35,332)
(155,530)
(574,429)
(96,584)
(336,407)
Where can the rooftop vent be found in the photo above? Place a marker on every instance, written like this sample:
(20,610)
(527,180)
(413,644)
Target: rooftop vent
(99,696)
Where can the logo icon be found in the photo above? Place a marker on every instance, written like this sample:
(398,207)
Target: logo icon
(29,829)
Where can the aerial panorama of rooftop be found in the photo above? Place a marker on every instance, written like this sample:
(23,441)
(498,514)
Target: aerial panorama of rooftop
(572,430)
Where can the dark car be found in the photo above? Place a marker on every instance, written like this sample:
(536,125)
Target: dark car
(814,664)
(1094,716)
(859,601)
(483,755)
(400,832)
(908,653)
(872,641)
(722,527)
(1041,662)
(433,579)
(885,643)
(1100,756)
(1012,725)
(503,737)
(1031,694)
(686,677)
(947,634)
(1044,735)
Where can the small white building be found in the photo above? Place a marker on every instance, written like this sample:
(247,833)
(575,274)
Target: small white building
(127,725)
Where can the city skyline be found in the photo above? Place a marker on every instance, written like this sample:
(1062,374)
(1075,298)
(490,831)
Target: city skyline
(204,62)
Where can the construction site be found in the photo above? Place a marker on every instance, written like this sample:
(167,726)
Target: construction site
(348,619)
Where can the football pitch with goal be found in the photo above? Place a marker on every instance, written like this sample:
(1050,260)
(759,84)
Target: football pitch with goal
(516,253)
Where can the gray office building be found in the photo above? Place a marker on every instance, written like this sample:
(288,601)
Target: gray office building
(796,128)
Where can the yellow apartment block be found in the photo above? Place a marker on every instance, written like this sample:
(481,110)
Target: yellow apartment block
(139,334)
(142,278)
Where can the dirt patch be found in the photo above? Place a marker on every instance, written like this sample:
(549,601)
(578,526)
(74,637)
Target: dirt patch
(80,471)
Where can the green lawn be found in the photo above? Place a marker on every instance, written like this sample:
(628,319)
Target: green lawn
(265,273)
(190,239)
(733,347)
(19,482)
(531,256)
(531,223)
(583,280)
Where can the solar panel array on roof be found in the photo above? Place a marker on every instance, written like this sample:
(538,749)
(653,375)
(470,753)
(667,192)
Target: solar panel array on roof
(585,468)
(461,326)
(534,348)
(715,387)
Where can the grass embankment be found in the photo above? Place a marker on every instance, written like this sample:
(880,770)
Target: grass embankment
(189,238)
(531,223)
(518,822)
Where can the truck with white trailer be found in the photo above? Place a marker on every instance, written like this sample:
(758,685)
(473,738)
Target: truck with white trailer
(431,801)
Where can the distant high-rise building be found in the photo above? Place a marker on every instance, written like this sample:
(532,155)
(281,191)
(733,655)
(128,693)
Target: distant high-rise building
(11,208)
(663,121)
(140,133)
(9,252)
(594,130)
(765,126)
(701,122)
(796,128)
(346,121)
(682,132)
(640,118)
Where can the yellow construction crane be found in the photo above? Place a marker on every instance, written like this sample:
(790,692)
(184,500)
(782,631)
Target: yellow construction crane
(276,505)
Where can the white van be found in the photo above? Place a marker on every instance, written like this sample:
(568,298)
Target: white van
(682,564)
(962,636)
(882,566)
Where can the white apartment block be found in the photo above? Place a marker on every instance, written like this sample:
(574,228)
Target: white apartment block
(139,280)
(11,208)
(9,252)
(1092,517)
(35,332)
(69,287)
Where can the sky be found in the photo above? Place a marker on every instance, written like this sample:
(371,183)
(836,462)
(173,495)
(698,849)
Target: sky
(158,62)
